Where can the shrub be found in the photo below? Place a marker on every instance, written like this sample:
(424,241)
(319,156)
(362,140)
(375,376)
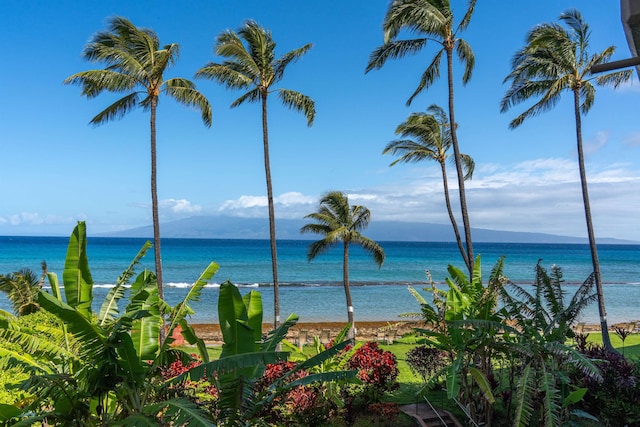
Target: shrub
(302,405)
(425,361)
(377,369)
(616,399)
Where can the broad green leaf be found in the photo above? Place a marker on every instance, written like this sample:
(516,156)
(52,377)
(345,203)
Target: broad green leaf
(483,383)
(78,284)
(90,335)
(574,397)
(237,335)
(8,412)
(253,302)
(55,286)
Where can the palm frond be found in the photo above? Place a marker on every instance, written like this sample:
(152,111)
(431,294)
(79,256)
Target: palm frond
(184,92)
(118,109)
(393,50)
(428,77)
(298,102)
(466,56)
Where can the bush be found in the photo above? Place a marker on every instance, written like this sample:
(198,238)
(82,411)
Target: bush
(425,361)
(616,399)
(378,371)
(302,405)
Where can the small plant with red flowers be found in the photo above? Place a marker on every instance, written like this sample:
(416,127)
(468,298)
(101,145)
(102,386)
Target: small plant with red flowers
(378,371)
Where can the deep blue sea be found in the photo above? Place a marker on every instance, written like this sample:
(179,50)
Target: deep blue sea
(313,290)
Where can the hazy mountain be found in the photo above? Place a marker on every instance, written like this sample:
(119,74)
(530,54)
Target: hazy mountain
(225,227)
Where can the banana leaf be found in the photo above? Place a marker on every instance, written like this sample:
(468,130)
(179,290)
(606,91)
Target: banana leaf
(78,284)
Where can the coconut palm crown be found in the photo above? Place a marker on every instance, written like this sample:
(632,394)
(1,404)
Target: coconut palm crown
(337,221)
(555,60)
(433,23)
(251,65)
(135,65)
(427,136)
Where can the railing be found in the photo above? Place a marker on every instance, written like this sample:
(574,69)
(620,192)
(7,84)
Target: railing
(466,412)
(435,411)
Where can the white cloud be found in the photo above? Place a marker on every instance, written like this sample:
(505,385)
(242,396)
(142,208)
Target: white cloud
(31,218)
(171,209)
(287,205)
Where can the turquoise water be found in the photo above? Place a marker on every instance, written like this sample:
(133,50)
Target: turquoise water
(313,290)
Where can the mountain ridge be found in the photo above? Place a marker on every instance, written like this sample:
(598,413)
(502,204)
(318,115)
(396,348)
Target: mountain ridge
(227,227)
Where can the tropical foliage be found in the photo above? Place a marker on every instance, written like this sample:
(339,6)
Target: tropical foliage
(251,64)
(104,372)
(338,221)
(556,60)
(433,22)
(22,288)
(135,64)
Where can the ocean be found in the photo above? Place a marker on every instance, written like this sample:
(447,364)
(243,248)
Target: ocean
(313,290)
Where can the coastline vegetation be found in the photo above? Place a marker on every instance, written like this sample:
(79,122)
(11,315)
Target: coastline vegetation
(488,350)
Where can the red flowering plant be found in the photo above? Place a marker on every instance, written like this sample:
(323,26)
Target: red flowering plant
(201,391)
(302,405)
(377,369)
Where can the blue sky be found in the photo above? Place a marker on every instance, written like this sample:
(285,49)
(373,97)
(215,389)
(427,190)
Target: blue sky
(57,169)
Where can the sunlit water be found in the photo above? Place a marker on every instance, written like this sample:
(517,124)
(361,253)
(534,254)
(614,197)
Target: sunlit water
(313,290)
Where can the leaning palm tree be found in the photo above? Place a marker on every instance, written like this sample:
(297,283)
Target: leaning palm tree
(337,221)
(256,68)
(428,137)
(432,21)
(557,59)
(135,64)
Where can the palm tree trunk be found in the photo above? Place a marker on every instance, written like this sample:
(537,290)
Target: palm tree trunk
(592,239)
(347,291)
(154,209)
(458,161)
(452,217)
(272,218)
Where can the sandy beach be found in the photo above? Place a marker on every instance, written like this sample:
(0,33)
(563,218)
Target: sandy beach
(366,331)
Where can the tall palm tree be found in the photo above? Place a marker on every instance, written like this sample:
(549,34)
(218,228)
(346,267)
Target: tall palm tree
(428,137)
(432,21)
(134,65)
(554,60)
(254,66)
(337,221)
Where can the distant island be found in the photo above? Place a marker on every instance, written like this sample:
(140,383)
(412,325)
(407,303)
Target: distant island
(227,227)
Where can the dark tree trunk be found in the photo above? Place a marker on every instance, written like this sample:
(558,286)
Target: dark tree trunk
(587,213)
(458,161)
(154,209)
(347,291)
(452,217)
(272,217)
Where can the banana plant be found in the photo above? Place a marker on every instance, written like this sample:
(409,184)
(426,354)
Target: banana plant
(468,330)
(118,354)
(245,355)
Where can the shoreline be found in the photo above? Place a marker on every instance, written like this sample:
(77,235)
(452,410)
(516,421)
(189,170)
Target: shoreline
(384,331)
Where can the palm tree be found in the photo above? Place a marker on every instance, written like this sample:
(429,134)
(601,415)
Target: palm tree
(555,60)
(337,221)
(429,138)
(135,64)
(22,288)
(432,20)
(256,68)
